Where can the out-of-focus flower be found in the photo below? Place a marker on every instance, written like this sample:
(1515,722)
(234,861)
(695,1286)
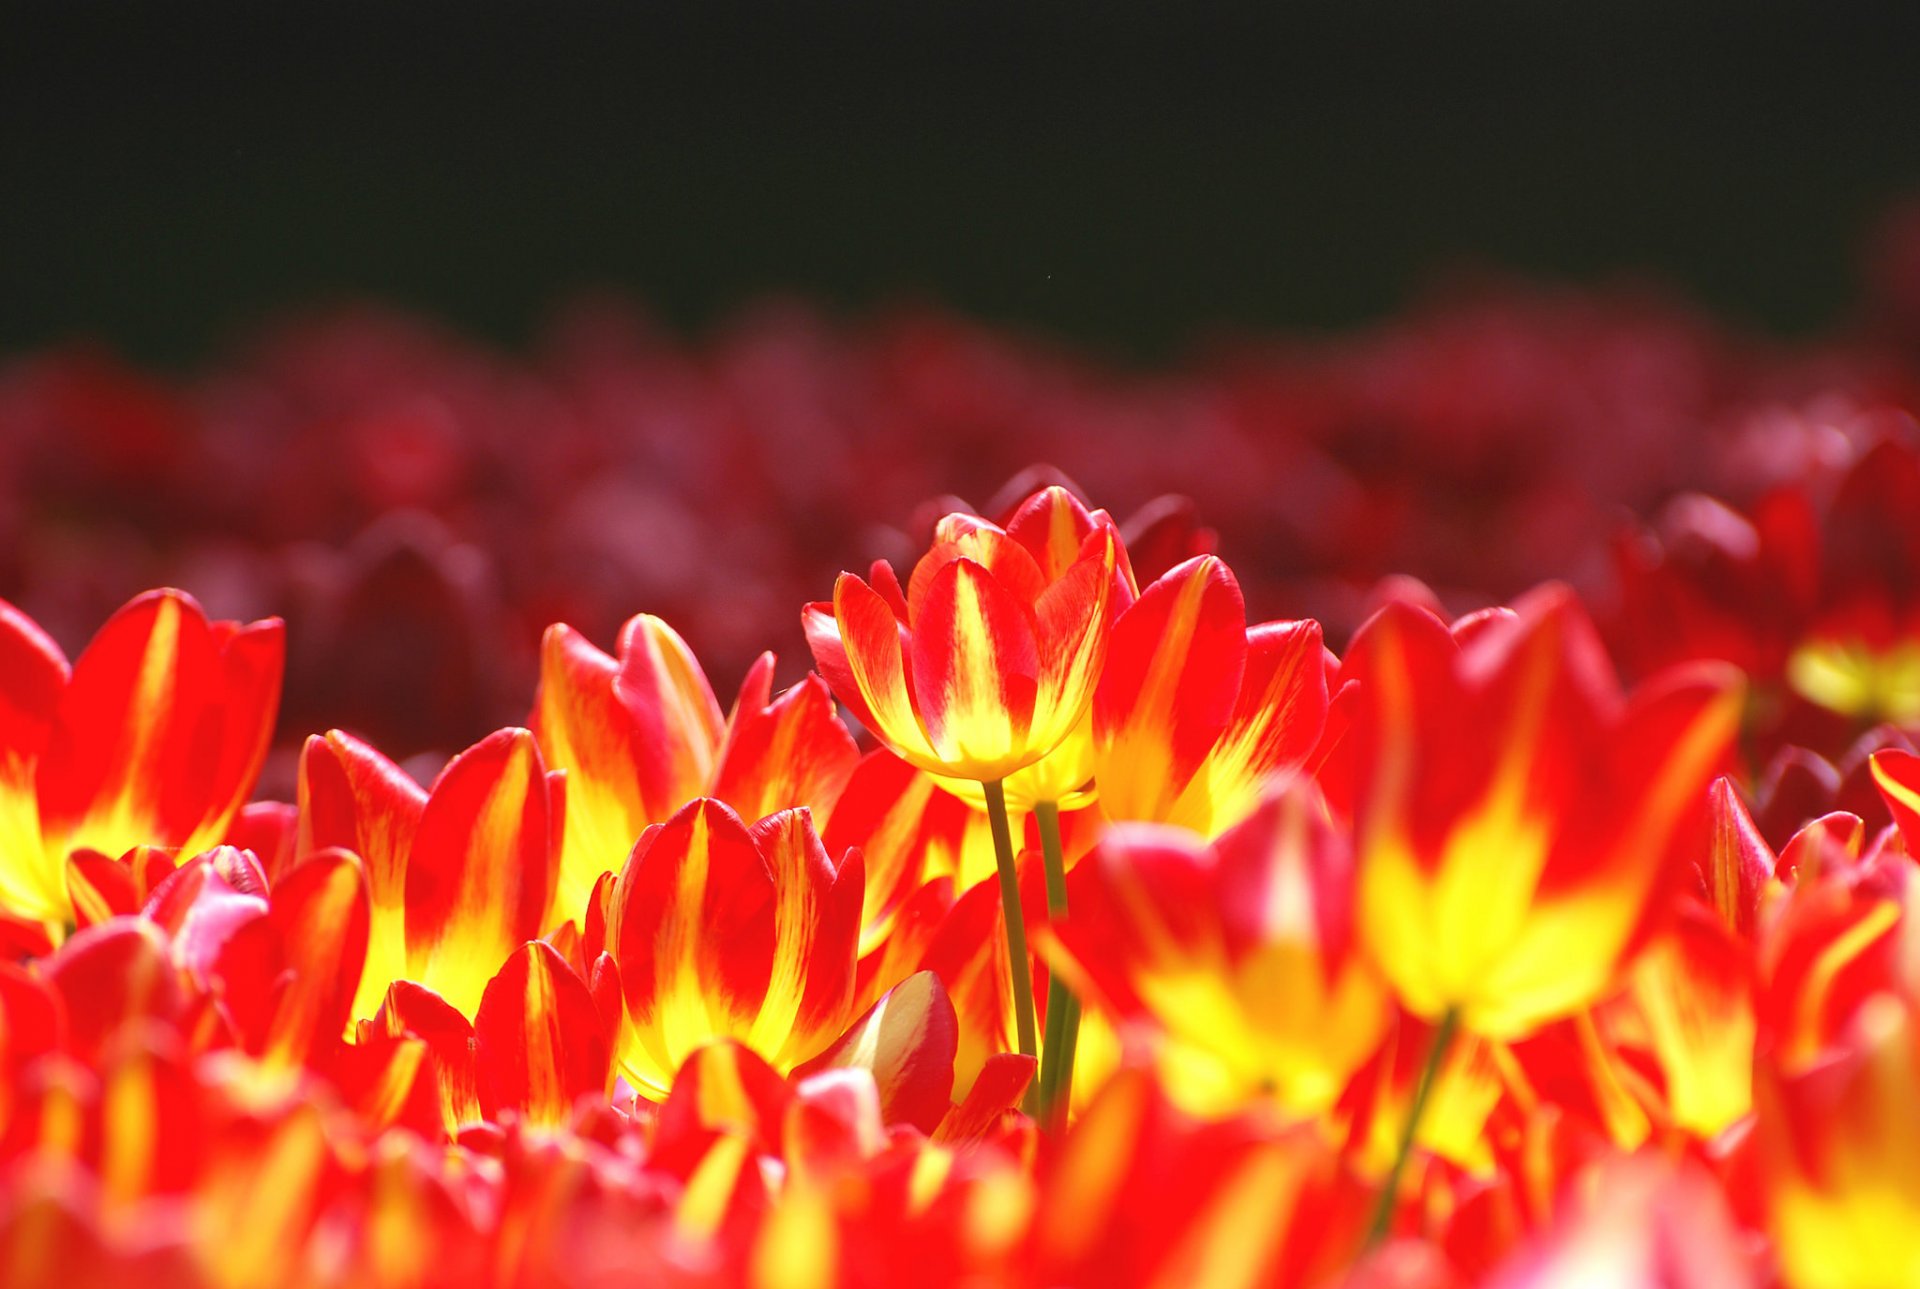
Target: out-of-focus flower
(1844,1140)
(153,738)
(1689,1007)
(1514,812)
(1809,589)
(1241,951)
(1838,1088)
(1636,1223)
(1143,1195)
(984,662)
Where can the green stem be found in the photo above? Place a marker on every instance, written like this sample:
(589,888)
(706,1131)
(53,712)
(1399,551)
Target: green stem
(1063,1009)
(1429,1073)
(1059,1090)
(1016,927)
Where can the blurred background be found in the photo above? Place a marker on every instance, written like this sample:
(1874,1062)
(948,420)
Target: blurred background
(1125,173)
(427,325)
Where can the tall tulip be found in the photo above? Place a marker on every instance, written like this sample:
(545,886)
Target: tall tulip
(983,664)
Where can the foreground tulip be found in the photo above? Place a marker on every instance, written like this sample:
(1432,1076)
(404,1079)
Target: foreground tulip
(1514,812)
(458,877)
(1838,1085)
(154,738)
(1636,1222)
(1143,1195)
(1242,952)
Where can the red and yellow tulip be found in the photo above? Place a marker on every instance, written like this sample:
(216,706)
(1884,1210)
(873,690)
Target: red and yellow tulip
(641,735)
(1515,813)
(1241,952)
(986,660)
(459,876)
(724,930)
(1195,713)
(153,737)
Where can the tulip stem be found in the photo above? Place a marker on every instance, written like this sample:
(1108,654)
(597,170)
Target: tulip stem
(1016,928)
(1063,1009)
(1429,1074)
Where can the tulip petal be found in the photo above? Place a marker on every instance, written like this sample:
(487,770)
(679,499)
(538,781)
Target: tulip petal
(1739,863)
(481,873)
(721,1089)
(995,1094)
(962,536)
(695,939)
(908,1041)
(822,630)
(1172,673)
(1070,629)
(1897,774)
(162,729)
(99,888)
(583,728)
(539,1044)
(414,1010)
(790,751)
(1277,721)
(873,642)
(673,709)
(112,976)
(816,929)
(33,675)
(321,912)
(906,829)
(1053,525)
(354,799)
(976,674)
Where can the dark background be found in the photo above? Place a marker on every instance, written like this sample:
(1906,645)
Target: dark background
(1123,173)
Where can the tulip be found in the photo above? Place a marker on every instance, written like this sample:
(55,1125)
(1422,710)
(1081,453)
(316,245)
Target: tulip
(1195,713)
(1514,812)
(641,735)
(154,737)
(1242,952)
(722,930)
(1142,1194)
(1689,1006)
(1838,1087)
(458,876)
(984,664)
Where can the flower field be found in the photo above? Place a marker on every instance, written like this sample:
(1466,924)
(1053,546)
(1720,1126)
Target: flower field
(1425,807)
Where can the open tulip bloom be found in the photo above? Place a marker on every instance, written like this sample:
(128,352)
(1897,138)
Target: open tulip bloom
(1068,927)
